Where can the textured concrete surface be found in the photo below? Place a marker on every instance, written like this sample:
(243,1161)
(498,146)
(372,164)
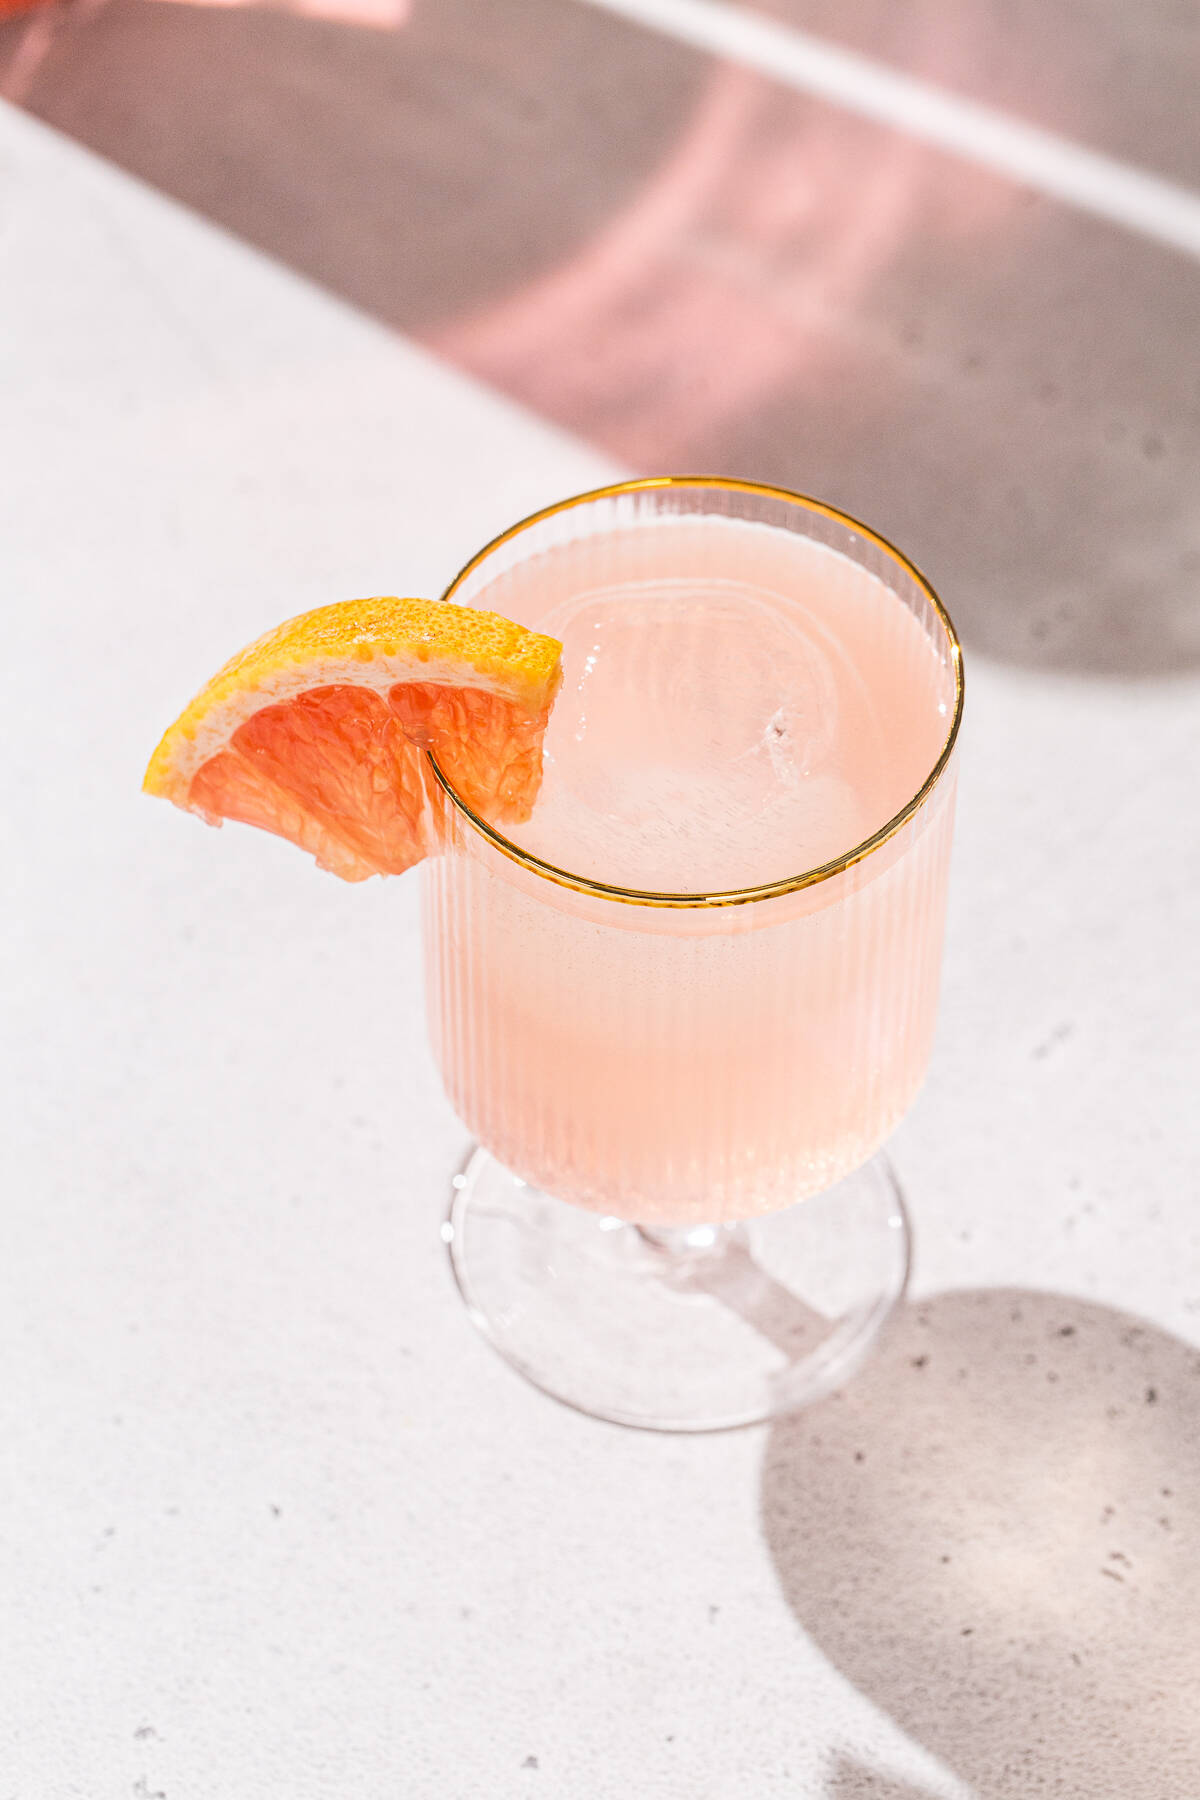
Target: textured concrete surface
(273,1520)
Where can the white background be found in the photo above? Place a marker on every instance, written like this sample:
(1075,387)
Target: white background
(273,1519)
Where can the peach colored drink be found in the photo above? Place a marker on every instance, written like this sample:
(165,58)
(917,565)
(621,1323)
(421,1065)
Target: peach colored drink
(740,705)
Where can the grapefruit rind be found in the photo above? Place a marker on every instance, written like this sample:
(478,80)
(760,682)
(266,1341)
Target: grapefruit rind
(377,643)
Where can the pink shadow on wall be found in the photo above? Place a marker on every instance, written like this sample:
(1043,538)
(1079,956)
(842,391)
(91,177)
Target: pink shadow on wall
(380,15)
(744,265)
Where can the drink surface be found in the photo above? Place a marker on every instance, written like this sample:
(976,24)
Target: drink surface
(739,705)
(748,720)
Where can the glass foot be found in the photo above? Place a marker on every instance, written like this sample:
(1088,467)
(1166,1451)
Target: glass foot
(693,1329)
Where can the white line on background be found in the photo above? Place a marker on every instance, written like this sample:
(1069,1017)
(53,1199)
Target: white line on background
(1036,159)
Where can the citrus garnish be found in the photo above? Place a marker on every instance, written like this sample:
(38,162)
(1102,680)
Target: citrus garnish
(317,731)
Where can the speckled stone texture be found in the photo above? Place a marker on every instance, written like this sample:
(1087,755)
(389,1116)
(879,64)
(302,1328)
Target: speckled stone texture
(992,1534)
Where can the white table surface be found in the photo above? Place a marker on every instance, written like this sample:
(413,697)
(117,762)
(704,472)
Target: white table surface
(274,1521)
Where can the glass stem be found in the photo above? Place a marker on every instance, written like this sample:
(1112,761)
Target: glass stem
(717,1260)
(689,1245)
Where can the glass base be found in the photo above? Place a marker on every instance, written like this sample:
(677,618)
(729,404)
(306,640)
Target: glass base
(696,1328)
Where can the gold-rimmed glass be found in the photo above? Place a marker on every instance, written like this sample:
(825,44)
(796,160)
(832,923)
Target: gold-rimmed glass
(676,1214)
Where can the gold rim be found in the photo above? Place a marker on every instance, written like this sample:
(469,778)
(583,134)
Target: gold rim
(770,890)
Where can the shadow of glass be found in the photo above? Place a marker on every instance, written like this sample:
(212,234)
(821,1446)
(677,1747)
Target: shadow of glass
(692,267)
(850,1780)
(994,1533)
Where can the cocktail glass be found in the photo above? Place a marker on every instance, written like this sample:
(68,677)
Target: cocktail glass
(676,1214)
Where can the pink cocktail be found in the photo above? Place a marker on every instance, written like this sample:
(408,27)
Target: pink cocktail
(685,1005)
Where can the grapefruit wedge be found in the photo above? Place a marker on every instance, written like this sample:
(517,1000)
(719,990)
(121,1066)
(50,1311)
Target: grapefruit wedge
(318,730)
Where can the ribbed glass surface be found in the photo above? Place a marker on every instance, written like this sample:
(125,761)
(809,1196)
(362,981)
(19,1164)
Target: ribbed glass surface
(676,1064)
